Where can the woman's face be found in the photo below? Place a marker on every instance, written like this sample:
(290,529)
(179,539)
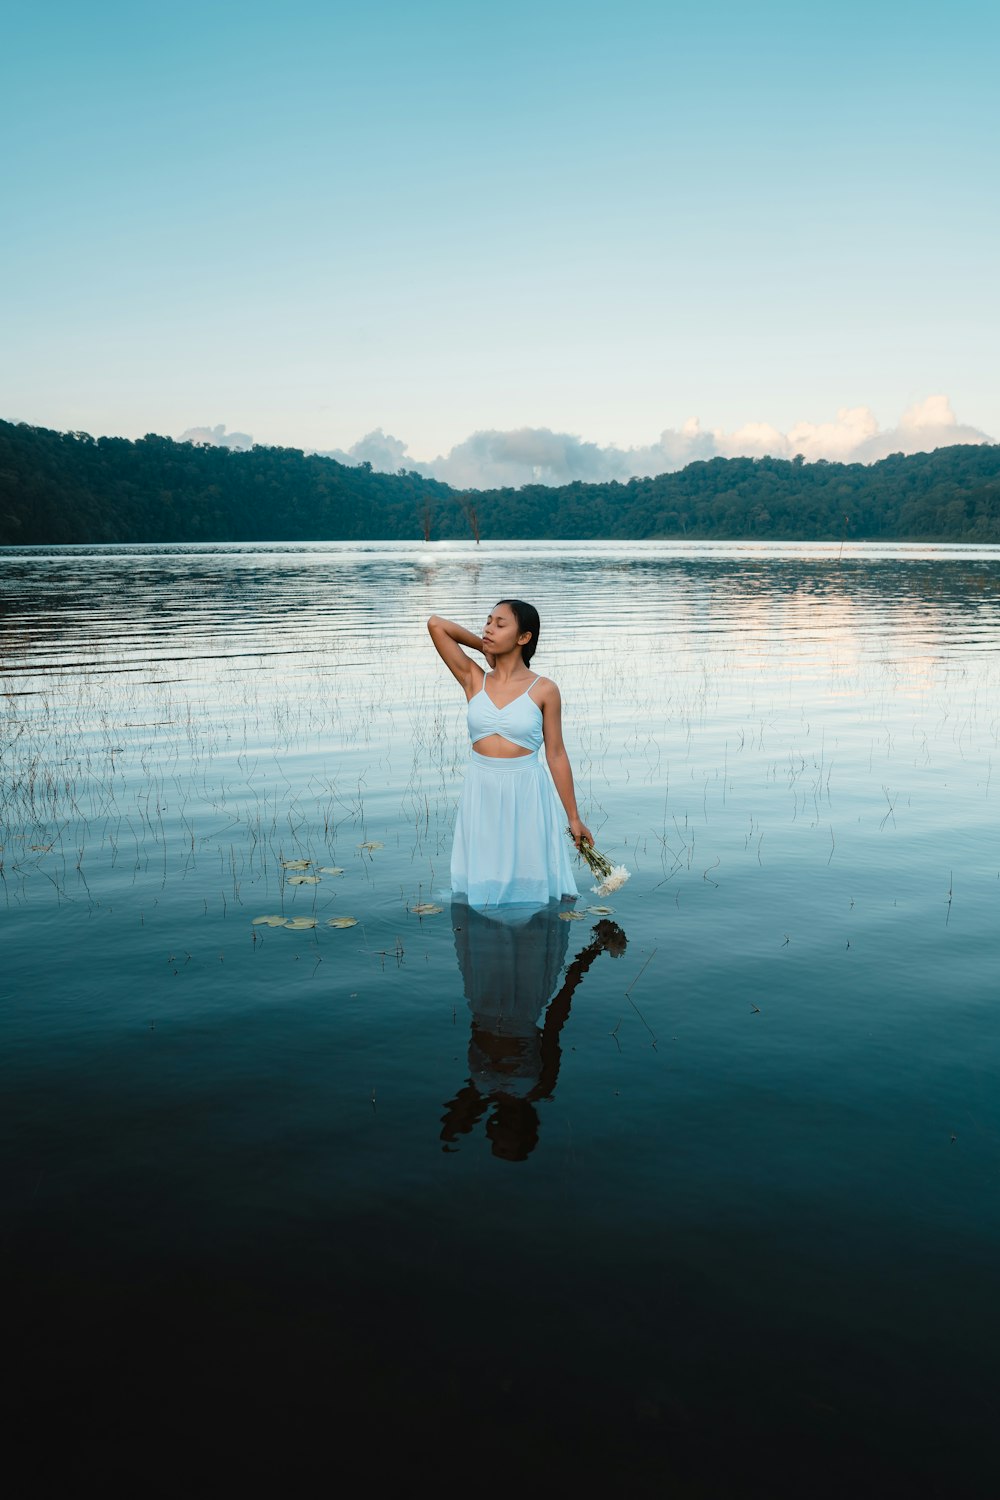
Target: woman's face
(501,632)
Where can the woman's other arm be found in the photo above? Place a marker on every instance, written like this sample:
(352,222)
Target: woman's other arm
(547,697)
(608,938)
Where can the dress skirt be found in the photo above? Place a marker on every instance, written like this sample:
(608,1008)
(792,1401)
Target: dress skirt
(511,846)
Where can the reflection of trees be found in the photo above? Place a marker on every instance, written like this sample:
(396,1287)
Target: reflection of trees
(113,607)
(751,579)
(53,592)
(174,603)
(514,1062)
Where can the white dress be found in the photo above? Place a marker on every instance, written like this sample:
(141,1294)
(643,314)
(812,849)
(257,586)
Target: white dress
(511,845)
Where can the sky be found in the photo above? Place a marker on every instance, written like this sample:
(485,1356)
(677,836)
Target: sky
(504,242)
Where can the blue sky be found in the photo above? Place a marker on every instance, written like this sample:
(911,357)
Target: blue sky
(441,220)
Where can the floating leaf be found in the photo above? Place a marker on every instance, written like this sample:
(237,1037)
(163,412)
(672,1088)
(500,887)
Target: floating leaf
(372,844)
(331,870)
(268,922)
(426,909)
(296,864)
(601,911)
(572,916)
(342,922)
(302,880)
(299,924)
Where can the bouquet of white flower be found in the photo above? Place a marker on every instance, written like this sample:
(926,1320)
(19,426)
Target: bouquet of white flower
(610,877)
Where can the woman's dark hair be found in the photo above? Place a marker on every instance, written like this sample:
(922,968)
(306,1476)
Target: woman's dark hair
(512,1128)
(526,616)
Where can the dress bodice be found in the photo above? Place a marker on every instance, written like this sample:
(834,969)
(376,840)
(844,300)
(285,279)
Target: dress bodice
(519,721)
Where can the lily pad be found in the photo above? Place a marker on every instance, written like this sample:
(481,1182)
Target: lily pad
(426,909)
(601,911)
(572,916)
(372,844)
(296,864)
(342,922)
(331,869)
(302,880)
(299,924)
(268,922)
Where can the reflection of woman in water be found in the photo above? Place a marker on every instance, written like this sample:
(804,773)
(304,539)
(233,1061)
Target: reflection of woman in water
(510,844)
(511,961)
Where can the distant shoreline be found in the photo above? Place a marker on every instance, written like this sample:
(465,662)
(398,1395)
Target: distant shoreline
(525,548)
(63,489)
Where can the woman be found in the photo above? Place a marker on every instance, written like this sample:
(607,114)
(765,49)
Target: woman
(510,841)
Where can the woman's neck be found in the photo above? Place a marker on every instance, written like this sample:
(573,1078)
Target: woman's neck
(510,667)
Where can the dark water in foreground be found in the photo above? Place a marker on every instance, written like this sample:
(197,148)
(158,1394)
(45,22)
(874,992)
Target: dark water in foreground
(697,1196)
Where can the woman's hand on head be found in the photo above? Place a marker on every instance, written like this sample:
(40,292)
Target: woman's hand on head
(449,637)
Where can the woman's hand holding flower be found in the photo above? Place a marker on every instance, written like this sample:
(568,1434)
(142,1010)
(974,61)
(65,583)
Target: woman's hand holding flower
(578,830)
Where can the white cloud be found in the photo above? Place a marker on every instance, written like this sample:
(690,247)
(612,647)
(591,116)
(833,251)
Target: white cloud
(378,448)
(536,455)
(494,459)
(934,412)
(923,427)
(217,437)
(527,455)
(837,441)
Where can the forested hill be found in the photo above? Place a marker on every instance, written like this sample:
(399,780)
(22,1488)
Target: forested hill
(71,487)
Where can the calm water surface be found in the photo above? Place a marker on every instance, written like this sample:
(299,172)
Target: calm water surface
(698,1195)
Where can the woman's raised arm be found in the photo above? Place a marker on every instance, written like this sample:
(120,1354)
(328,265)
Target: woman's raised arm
(449,638)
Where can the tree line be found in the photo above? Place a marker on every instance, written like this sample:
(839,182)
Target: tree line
(69,487)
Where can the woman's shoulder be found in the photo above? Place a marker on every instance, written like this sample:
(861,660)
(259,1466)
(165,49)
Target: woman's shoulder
(544,687)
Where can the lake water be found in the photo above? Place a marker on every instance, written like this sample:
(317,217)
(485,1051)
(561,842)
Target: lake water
(699,1196)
